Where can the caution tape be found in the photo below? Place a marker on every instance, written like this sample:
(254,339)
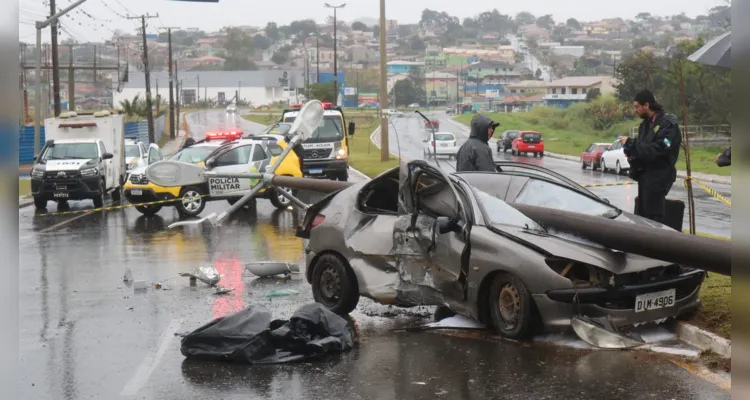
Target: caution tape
(611,184)
(120,207)
(709,190)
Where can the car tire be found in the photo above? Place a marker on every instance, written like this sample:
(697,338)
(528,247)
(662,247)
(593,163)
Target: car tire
(191,202)
(512,152)
(618,169)
(150,209)
(583,164)
(40,203)
(334,285)
(512,309)
(604,166)
(343,176)
(117,194)
(541,154)
(250,203)
(279,201)
(594,166)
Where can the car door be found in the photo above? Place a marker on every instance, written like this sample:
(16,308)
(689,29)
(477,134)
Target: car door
(586,156)
(108,171)
(236,160)
(424,256)
(154,154)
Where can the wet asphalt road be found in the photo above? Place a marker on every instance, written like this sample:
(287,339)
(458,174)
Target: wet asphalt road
(85,334)
(712,216)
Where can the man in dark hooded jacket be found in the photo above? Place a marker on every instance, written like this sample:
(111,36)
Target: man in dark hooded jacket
(653,155)
(475,154)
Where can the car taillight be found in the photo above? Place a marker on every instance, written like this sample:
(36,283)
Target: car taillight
(432,143)
(317,220)
(454,143)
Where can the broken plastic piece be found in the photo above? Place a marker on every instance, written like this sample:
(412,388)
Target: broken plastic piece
(222,290)
(265,268)
(139,285)
(207,275)
(157,285)
(282,293)
(128,276)
(600,332)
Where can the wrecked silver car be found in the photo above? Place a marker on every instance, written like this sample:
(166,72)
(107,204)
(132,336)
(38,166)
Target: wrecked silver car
(418,236)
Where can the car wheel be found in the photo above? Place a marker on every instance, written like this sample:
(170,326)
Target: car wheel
(279,201)
(594,166)
(191,202)
(150,209)
(250,203)
(618,169)
(583,164)
(512,152)
(40,203)
(117,194)
(604,166)
(511,307)
(334,285)
(541,154)
(343,176)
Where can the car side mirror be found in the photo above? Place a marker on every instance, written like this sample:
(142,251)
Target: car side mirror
(351,128)
(36,157)
(107,156)
(211,163)
(446,225)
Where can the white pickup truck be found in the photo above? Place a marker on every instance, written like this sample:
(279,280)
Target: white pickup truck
(83,158)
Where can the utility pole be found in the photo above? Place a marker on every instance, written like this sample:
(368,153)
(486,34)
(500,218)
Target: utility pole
(94,65)
(198,92)
(55,62)
(171,87)
(38,67)
(71,81)
(384,151)
(317,57)
(335,57)
(178,85)
(150,114)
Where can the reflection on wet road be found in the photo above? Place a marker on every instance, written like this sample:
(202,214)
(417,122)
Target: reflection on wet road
(87,334)
(712,216)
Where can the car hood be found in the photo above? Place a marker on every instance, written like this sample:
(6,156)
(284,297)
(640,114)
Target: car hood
(568,246)
(64,165)
(140,170)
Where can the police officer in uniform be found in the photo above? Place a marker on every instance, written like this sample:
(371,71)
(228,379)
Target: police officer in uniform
(653,155)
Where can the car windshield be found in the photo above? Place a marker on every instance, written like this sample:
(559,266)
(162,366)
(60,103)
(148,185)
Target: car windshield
(277,129)
(444,136)
(512,135)
(63,151)
(329,129)
(193,155)
(532,136)
(603,148)
(499,212)
(541,193)
(132,150)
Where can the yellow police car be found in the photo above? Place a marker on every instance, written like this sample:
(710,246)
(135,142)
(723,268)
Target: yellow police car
(254,154)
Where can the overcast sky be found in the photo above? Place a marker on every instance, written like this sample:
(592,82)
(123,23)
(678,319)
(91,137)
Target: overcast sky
(97,19)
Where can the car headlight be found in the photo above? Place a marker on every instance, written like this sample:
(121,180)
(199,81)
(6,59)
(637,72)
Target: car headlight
(341,154)
(89,172)
(37,174)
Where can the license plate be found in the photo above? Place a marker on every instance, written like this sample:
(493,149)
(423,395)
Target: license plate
(316,171)
(654,301)
(532,147)
(61,195)
(136,192)
(443,144)
(61,187)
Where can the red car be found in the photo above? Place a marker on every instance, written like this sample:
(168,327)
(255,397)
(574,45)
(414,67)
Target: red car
(592,157)
(528,142)
(224,135)
(435,124)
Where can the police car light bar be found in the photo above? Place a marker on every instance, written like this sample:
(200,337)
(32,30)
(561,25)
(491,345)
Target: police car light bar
(326,106)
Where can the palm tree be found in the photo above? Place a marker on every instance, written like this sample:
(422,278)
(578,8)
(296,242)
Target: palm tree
(130,108)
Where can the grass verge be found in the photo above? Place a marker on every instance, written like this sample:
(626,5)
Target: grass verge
(364,156)
(24,187)
(566,135)
(715,313)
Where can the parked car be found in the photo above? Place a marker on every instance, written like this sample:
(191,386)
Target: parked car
(393,113)
(615,158)
(440,144)
(417,236)
(435,123)
(593,155)
(413,105)
(505,142)
(528,142)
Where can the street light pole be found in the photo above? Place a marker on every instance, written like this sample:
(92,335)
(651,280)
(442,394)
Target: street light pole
(335,57)
(384,148)
(37,94)
(317,58)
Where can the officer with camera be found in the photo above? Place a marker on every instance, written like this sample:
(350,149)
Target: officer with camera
(653,155)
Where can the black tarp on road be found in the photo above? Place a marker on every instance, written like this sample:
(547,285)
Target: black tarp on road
(253,336)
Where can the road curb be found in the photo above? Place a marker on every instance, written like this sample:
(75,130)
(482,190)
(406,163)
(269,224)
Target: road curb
(372,139)
(703,339)
(680,174)
(25,204)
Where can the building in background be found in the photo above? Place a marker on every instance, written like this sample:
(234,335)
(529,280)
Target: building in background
(256,87)
(563,93)
(402,67)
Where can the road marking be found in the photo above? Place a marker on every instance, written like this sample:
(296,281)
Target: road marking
(67,221)
(149,363)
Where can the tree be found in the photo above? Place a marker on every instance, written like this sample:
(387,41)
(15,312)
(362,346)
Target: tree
(358,26)
(404,92)
(261,42)
(376,30)
(280,57)
(593,94)
(272,32)
(323,92)
(417,44)
(525,18)
(545,21)
(238,46)
(573,23)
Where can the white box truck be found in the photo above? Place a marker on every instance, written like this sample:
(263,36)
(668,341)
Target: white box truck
(83,158)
